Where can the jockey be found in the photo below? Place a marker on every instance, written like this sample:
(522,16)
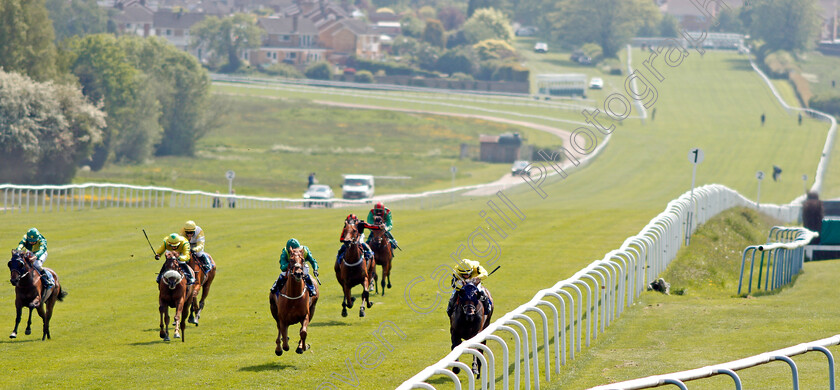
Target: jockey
(466,270)
(195,234)
(176,243)
(34,242)
(384,213)
(284,266)
(365,247)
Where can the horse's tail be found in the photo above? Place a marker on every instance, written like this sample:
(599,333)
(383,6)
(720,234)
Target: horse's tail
(61,294)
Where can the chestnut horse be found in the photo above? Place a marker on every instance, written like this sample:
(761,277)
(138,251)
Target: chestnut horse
(173,293)
(203,280)
(382,253)
(29,290)
(354,269)
(468,319)
(293,304)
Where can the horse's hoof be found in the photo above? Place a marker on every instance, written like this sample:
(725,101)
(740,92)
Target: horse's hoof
(285,348)
(369,304)
(361,313)
(177,336)
(344,312)
(163,334)
(299,351)
(389,285)
(13,336)
(166,338)
(278,352)
(28,332)
(456,370)
(193,321)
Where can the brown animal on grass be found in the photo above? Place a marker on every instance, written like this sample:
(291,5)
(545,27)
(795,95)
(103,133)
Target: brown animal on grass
(354,269)
(173,294)
(29,292)
(293,304)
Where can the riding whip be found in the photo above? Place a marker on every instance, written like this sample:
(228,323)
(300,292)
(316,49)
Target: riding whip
(150,243)
(496,269)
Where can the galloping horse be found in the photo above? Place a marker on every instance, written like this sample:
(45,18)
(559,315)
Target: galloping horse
(382,253)
(293,304)
(203,280)
(29,291)
(173,293)
(354,269)
(468,319)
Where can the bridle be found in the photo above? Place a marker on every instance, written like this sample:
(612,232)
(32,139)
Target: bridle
(18,264)
(298,265)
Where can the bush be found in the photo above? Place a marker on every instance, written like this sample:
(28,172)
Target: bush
(827,104)
(779,64)
(319,71)
(511,72)
(593,51)
(283,70)
(494,49)
(462,77)
(486,69)
(364,76)
(390,68)
(457,61)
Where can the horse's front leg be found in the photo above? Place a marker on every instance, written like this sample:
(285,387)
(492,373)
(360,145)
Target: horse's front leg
(164,321)
(176,323)
(18,312)
(302,344)
(386,274)
(284,335)
(455,340)
(347,302)
(28,330)
(46,329)
(185,306)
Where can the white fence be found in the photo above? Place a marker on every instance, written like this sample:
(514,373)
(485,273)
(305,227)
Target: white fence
(588,301)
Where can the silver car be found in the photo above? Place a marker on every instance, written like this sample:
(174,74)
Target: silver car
(318,194)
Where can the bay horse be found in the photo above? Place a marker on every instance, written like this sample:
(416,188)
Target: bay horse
(203,280)
(173,293)
(468,319)
(355,271)
(29,291)
(382,253)
(293,304)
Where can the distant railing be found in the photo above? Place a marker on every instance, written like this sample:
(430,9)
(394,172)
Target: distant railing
(784,253)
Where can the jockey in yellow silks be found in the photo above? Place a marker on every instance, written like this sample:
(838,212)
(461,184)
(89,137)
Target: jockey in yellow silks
(176,243)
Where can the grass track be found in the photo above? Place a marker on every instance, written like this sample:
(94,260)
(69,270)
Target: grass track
(713,103)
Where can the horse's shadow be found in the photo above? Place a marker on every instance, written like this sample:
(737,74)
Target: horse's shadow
(18,340)
(139,343)
(266,367)
(329,323)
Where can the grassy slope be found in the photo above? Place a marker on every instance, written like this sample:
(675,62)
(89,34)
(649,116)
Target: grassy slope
(713,103)
(709,324)
(272,145)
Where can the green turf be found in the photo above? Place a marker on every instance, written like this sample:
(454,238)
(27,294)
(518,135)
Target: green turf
(273,145)
(110,340)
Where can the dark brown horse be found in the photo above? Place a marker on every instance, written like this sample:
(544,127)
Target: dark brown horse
(468,318)
(29,291)
(293,304)
(203,280)
(382,253)
(354,269)
(173,293)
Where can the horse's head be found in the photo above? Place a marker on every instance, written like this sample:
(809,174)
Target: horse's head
(468,299)
(19,266)
(296,263)
(350,232)
(171,260)
(172,270)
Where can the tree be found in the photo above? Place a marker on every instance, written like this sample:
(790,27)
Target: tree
(76,17)
(460,60)
(488,23)
(411,26)
(790,25)
(669,26)
(609,23)
(26,39)
(494,49)
(106,75)
(46,130)
(227,38)
(728,20)
(434,33)
(451,17)
(321,70)
(363,76)
(475,5)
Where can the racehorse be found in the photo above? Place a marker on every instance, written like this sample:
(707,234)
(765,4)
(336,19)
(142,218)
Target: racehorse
(203,280)
(382,253)
(29,291)
(354,269)
(468,319)
(293,304)
(173,293)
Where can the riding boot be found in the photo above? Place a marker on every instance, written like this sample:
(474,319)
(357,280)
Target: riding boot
(188,272)
(487,304)
(279,283)
(47,278)
(311,286)
(451,307)
(160,273)
(368,252)
(340,253)
(207,265)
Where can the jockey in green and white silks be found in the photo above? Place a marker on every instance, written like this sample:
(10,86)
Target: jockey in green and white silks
(284,266)
(34,242)
(384,213)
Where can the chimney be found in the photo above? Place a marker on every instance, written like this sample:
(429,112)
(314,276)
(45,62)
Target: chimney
(295,23)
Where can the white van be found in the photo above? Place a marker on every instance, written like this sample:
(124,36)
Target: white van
(357,187)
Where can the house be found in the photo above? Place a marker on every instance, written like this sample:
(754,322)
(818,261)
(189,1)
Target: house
(289,39)
(347,37)
(499,148)
(694,15)
(175,26)
(135,19)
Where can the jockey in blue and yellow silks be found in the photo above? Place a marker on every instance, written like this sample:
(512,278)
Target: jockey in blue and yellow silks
(466,270)
(195,235)
(34,242)
(176,243)
(284,266)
